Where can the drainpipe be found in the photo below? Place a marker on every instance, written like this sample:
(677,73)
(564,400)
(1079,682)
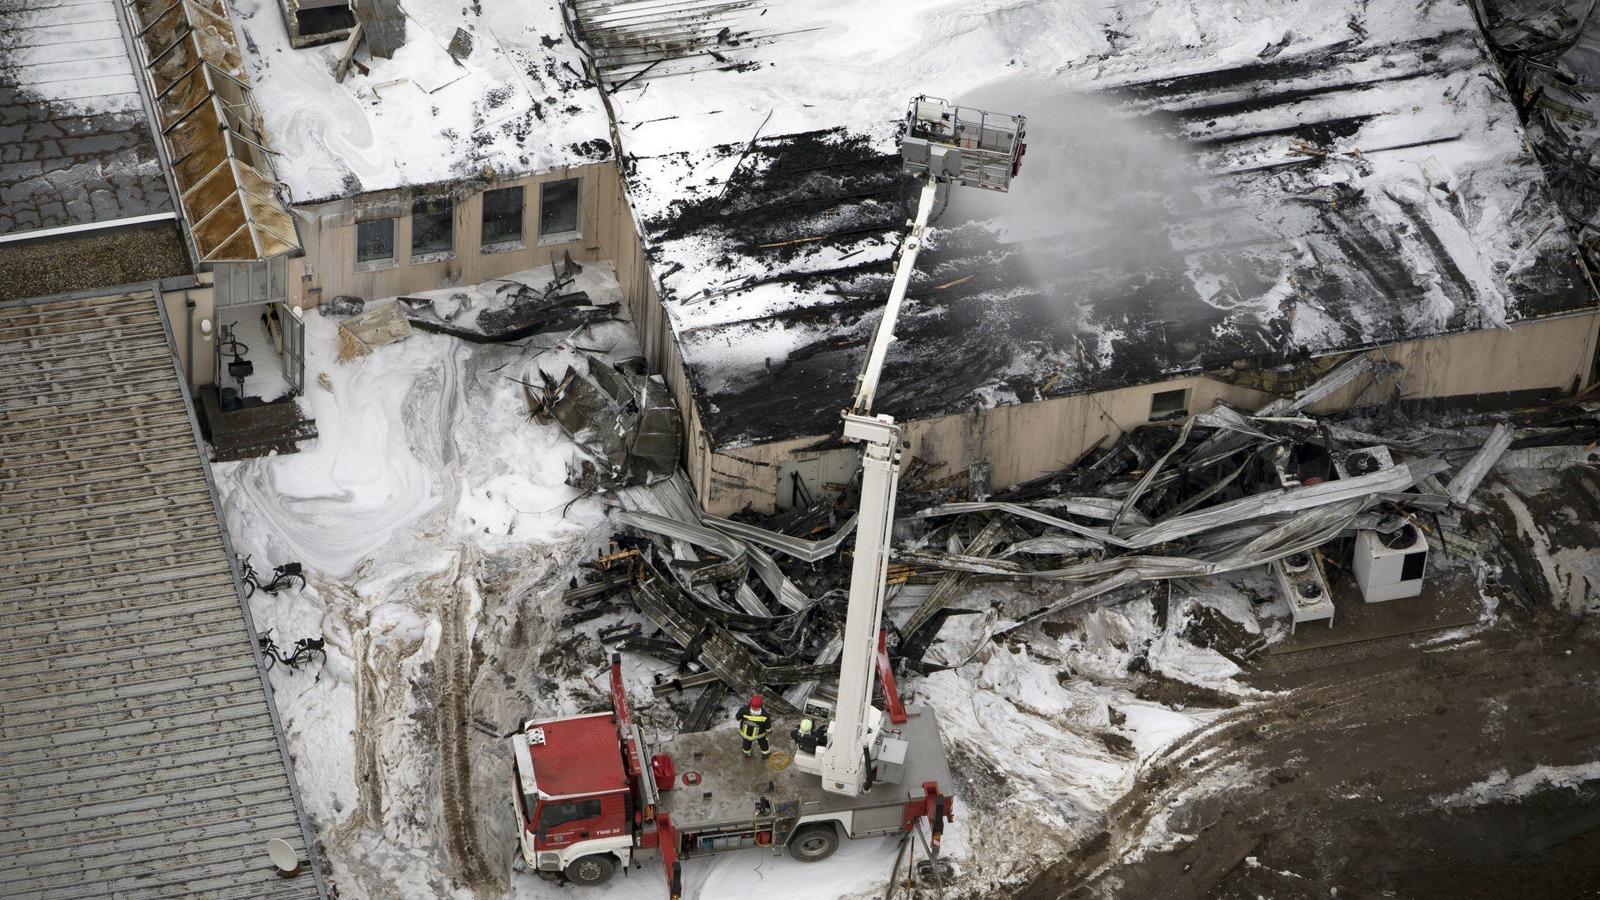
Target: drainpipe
(188,342)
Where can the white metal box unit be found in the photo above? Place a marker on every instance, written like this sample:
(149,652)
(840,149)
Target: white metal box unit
(1390,566)
(1304,588)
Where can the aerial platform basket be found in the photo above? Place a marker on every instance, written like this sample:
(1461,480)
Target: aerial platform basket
(957,143)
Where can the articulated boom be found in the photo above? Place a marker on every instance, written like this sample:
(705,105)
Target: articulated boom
(846,760)
(944,145)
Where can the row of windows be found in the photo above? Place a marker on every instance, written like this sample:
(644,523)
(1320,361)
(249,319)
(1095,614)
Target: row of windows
(433,222)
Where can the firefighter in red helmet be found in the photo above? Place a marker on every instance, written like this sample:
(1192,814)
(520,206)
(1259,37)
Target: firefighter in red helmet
(754,726)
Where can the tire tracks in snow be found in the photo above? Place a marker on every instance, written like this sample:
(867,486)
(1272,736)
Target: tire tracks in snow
(454,667)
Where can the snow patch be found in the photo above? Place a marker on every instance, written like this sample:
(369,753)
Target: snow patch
(1503,786)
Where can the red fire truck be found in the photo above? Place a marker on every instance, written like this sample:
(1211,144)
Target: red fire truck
(591,795)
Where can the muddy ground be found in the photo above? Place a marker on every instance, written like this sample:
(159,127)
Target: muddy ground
(1342,784)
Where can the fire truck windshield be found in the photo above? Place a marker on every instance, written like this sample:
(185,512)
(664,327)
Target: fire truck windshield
(554,814)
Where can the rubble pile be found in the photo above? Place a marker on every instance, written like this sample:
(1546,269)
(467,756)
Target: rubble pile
(1547,54)
(508,309)
(622,419)
(739,604)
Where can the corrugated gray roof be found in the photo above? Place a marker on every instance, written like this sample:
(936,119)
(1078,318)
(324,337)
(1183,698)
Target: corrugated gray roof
(139,755)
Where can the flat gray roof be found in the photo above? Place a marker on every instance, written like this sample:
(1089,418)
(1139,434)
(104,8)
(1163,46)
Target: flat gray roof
(75,143)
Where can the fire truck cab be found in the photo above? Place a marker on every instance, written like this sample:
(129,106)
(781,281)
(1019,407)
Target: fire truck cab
(574,799)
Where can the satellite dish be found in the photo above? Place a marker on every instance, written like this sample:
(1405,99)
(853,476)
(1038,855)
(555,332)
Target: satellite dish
(283,855)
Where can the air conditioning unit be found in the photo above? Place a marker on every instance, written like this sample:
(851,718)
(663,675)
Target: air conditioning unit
(1391,566)
(1364,461)
(1304,588)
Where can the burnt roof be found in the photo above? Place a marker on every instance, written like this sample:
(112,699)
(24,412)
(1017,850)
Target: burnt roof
(1313,199)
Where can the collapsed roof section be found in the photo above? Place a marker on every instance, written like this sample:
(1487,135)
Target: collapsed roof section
(1551,58)
(212,130)
(1202,185)
(475,89)
(632,41)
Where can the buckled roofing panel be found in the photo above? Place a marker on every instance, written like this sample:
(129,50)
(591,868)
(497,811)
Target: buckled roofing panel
(634,40)
(212,129)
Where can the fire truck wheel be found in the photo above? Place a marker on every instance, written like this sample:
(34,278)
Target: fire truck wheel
(595,869)
(814,842)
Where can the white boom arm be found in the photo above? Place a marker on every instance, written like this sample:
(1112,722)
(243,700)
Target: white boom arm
(942,144)
(846,759)
(867,384)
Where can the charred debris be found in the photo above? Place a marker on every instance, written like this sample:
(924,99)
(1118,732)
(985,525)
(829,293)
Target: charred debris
(514,310)
(1546,53)
(622,419)
(756,604)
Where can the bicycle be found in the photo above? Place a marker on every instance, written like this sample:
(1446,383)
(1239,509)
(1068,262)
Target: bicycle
(306,651)
(282,577)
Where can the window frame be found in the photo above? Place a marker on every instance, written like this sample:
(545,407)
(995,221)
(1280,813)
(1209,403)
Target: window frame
(582,812)
(423,210)
(363,265)
(576,232)
(488,245)
(1181,411)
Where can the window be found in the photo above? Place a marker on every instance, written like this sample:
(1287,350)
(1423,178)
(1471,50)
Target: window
(1169,405)
(558,210)
(556,814)
(375,241)
(432,228)
(502,216)
(257,281)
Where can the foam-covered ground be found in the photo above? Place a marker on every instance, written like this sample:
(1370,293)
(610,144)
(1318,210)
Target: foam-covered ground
(438,534)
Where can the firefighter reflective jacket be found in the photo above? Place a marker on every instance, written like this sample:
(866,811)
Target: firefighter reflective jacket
(753,725)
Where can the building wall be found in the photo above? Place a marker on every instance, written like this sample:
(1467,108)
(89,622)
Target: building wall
(651,324)
(1025,441)
(1545,354)
(1018,442)
(186,331)
(328,232)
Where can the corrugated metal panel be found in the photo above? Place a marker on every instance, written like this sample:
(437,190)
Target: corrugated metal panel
(632,41)
(139,756)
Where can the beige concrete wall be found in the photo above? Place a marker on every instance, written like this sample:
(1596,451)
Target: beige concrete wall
(623,247)
(1020,442)
(204,349)
(1549,353)
(1028,440)
(328,231)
